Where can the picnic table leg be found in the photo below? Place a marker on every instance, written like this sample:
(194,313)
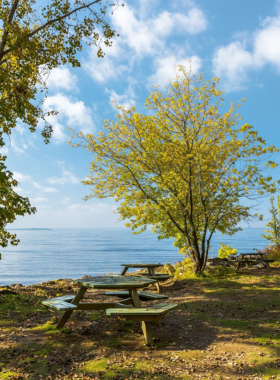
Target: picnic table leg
(152,273)
(124,271)
(145,327)
(68,313)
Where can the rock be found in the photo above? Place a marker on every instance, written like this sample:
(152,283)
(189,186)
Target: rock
(217,262)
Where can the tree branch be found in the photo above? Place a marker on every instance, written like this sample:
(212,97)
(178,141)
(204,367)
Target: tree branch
(3,53)
(5,34)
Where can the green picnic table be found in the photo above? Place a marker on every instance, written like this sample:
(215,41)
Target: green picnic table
(129,307)
(255,255)
(249,259)
(150,271)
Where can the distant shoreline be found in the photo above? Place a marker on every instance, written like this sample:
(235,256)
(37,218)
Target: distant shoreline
(30,229)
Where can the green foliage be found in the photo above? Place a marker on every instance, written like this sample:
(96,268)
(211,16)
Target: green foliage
(221,273)
(225,251)
(33,41)
(184,269)
(273,233)
(183,168)
(272,252)
(11,204)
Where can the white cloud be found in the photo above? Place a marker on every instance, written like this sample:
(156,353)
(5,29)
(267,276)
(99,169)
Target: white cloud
(125,100)
(267,43)
(21,177)
(44,189)
(193,22)
(21,191)
(62,78)
(4,151)
(145,35)
(233,62)
(141,34)
(103,69)
(43,207)
(95,209)
(65,200)
(166,68)
(39,199)
(73,113)
(67,177)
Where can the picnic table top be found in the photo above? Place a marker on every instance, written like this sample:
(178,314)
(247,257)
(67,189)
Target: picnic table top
(141,265)
(251,254)
(114,282)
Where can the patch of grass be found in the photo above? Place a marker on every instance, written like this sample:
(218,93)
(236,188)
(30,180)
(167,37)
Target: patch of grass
(111,342)
(128,325)
(95,315)
(50,327)
(109,372)
(221,272)
(17,307)
(236,324)
(266,373)
(7,375)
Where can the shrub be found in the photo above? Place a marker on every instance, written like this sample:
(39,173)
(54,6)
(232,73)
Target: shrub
(225,251)
(272,252)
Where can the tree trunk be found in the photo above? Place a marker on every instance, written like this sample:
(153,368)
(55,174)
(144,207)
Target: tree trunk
(199,266)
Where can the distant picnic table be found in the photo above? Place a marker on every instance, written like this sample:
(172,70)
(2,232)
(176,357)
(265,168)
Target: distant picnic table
(150,271)
(129,307)
(251,258)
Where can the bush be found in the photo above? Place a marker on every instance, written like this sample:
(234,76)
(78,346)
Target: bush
(184,269)
(272,252)
(221,272)
(225,251)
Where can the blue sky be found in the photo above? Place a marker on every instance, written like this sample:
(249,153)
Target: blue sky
(238,41)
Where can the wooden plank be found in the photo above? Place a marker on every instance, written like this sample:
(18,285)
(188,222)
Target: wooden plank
(124,271)
(118,305)
(68,313)
(67,298)
(95,306)
(145,327)
(157,276)
(142,265)
(59,305)
(115,282)
(144,296)
(159,309)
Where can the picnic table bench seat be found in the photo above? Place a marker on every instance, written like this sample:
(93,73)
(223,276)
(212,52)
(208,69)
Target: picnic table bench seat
(60,303)
(144,296)
(149,314)
(157,276)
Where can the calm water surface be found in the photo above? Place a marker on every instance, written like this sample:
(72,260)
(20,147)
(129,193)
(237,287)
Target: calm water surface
(71,253)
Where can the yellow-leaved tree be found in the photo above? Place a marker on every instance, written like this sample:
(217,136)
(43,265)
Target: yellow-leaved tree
(185,169)
(34,39)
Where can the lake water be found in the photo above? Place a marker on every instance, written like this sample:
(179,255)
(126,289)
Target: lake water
(72,253)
